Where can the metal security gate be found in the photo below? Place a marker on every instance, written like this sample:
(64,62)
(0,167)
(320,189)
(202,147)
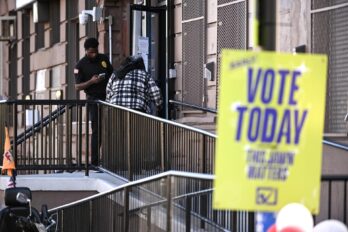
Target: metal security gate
(193,50)
(232,29)
(329,36)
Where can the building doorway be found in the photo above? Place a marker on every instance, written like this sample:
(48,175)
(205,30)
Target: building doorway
(148,39)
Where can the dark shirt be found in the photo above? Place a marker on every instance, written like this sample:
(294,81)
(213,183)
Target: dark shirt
(86,68)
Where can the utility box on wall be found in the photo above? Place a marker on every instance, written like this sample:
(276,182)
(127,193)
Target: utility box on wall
(209,71)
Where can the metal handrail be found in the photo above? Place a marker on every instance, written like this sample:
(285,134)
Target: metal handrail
(159,119)
(46,120)
(166,174)
(82,102)
(170,204)
(335,145)
(193,106)
(152,205)
(38,126)
(145,180)
(49,102)
(334,178)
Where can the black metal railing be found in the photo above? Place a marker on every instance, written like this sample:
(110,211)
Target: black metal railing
(188,105)
(47,135)
(171,201)
(137,145)
(133,145)
(174,201)
(333,198)
(53,135)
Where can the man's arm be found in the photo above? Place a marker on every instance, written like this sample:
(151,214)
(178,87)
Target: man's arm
(80,83)
(86,84)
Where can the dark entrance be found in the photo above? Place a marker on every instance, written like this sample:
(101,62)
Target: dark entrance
(148,39)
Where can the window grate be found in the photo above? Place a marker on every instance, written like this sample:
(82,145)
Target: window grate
(192,9)
(193,60)
(231,31)
(193,50)
(317,4)
(329,36)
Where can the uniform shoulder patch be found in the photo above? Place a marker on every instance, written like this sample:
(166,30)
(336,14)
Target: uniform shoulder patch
(103,64)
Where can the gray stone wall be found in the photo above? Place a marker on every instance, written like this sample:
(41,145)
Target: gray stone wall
(293,24)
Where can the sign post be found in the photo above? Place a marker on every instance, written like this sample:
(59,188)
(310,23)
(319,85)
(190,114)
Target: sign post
(270,127)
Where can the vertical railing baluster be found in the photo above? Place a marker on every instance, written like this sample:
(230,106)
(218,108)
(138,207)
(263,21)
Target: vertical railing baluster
(188,213)
(35,136)
(99,131)
(49,155)
(126,209)
(42,136)
(163,139)
(75,134)
(169,203)
(251,221)
(70,125)
(66,136)
(61,137)
(329,201)
(148,212)
(91,215)
(54,143)
(80,135)
(87,140)
(345,202)
(128,150)
(24,153)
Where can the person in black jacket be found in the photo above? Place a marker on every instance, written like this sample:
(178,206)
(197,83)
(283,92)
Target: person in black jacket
(92,73)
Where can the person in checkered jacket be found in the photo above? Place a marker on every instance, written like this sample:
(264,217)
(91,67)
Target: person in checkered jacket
(132,87)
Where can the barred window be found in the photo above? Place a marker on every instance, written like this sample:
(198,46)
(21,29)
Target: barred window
(40,35)
(329,36)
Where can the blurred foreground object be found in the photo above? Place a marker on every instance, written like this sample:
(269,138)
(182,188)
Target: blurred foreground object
(8,164)
(330,225)
(294,217)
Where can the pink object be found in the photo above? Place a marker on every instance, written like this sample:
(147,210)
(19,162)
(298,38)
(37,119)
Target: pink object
(273,228)
(291,229)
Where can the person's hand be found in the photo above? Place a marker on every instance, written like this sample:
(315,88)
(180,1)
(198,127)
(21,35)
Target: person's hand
(95,79)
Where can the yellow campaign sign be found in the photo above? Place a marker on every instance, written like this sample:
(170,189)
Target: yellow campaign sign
(270,128)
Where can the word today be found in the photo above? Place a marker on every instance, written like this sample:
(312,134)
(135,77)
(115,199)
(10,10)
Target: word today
(267,124)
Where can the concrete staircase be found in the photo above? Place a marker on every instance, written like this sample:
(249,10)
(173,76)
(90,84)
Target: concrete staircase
(199,119)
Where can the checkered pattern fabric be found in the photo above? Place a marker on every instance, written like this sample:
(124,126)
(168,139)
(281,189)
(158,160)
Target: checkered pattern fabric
(136,90)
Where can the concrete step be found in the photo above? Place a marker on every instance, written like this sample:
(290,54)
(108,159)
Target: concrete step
(196,120)
(202,121)
(192,113)
(207,127)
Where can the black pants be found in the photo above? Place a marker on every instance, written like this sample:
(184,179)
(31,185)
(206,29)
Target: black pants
(95,119)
